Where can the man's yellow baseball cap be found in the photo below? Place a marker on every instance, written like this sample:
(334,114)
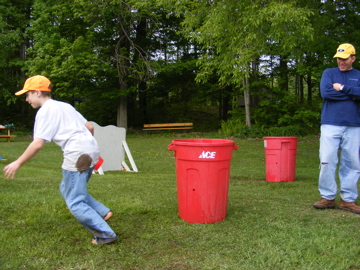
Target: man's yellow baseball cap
(344,51)
(37,82)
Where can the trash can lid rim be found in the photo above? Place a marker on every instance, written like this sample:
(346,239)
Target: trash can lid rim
(289,137)
(203,142)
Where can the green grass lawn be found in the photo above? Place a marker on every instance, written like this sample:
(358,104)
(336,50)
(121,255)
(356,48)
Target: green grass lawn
(268,225)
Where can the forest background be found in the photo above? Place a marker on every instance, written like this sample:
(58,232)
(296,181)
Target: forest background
(235,65)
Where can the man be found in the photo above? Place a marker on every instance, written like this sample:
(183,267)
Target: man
(340,130)
(60,122)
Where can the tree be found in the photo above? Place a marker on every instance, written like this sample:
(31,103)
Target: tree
(14,19)
(103,55)
(88,48)
(235,33)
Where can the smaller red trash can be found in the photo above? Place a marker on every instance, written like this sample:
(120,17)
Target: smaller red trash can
(280,158)
(202,177)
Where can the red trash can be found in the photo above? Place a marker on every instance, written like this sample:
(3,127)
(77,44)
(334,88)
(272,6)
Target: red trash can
(202,176)
(280,158)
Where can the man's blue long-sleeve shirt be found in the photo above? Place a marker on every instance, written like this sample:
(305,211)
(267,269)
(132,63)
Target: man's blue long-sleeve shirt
(340,108)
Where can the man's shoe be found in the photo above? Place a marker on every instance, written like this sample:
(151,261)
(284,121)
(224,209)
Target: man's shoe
(324,204)
(349,206)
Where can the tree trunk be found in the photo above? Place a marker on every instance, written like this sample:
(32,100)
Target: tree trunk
(301,89)
(309,86)
(122,112)
(308,77)
(247,101)
(283,76)
(224,103)
(141,40)
(122,57)
(142,103)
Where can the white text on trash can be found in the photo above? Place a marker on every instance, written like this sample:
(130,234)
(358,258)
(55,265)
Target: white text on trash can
(207,154)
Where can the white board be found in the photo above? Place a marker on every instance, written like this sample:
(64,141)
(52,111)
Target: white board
(110,140)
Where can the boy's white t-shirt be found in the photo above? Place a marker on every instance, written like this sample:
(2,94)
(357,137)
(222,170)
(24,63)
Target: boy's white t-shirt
(59,122)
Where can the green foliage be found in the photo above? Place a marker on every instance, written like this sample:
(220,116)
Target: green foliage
(200,52)
(68,50)
(231,126)
(278,114)
(178,98)
(235,34)
(14,19)
(239,130)
(281,108)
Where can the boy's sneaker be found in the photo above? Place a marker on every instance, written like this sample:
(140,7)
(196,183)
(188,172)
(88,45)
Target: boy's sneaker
(324,204)
(349,206)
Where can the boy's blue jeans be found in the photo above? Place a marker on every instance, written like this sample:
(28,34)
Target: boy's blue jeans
(89,212)
(348,140)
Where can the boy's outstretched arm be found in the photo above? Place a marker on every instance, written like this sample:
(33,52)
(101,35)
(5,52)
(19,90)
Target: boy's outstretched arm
(33,148)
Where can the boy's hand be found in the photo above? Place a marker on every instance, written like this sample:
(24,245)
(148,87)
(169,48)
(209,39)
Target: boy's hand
(33,148)
(11,169)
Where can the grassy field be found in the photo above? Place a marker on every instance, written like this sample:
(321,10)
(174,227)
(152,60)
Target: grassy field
(268,225)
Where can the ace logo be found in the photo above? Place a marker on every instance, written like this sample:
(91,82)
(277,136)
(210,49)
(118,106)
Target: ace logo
(207,154)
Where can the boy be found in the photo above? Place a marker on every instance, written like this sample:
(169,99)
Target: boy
(60,122)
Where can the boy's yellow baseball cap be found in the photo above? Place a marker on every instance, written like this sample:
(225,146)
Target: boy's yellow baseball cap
(37,82)
(344,51)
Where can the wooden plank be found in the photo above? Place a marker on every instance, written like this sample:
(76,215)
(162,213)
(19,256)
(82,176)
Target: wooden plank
(168,125)
(167,128)
(8,136)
